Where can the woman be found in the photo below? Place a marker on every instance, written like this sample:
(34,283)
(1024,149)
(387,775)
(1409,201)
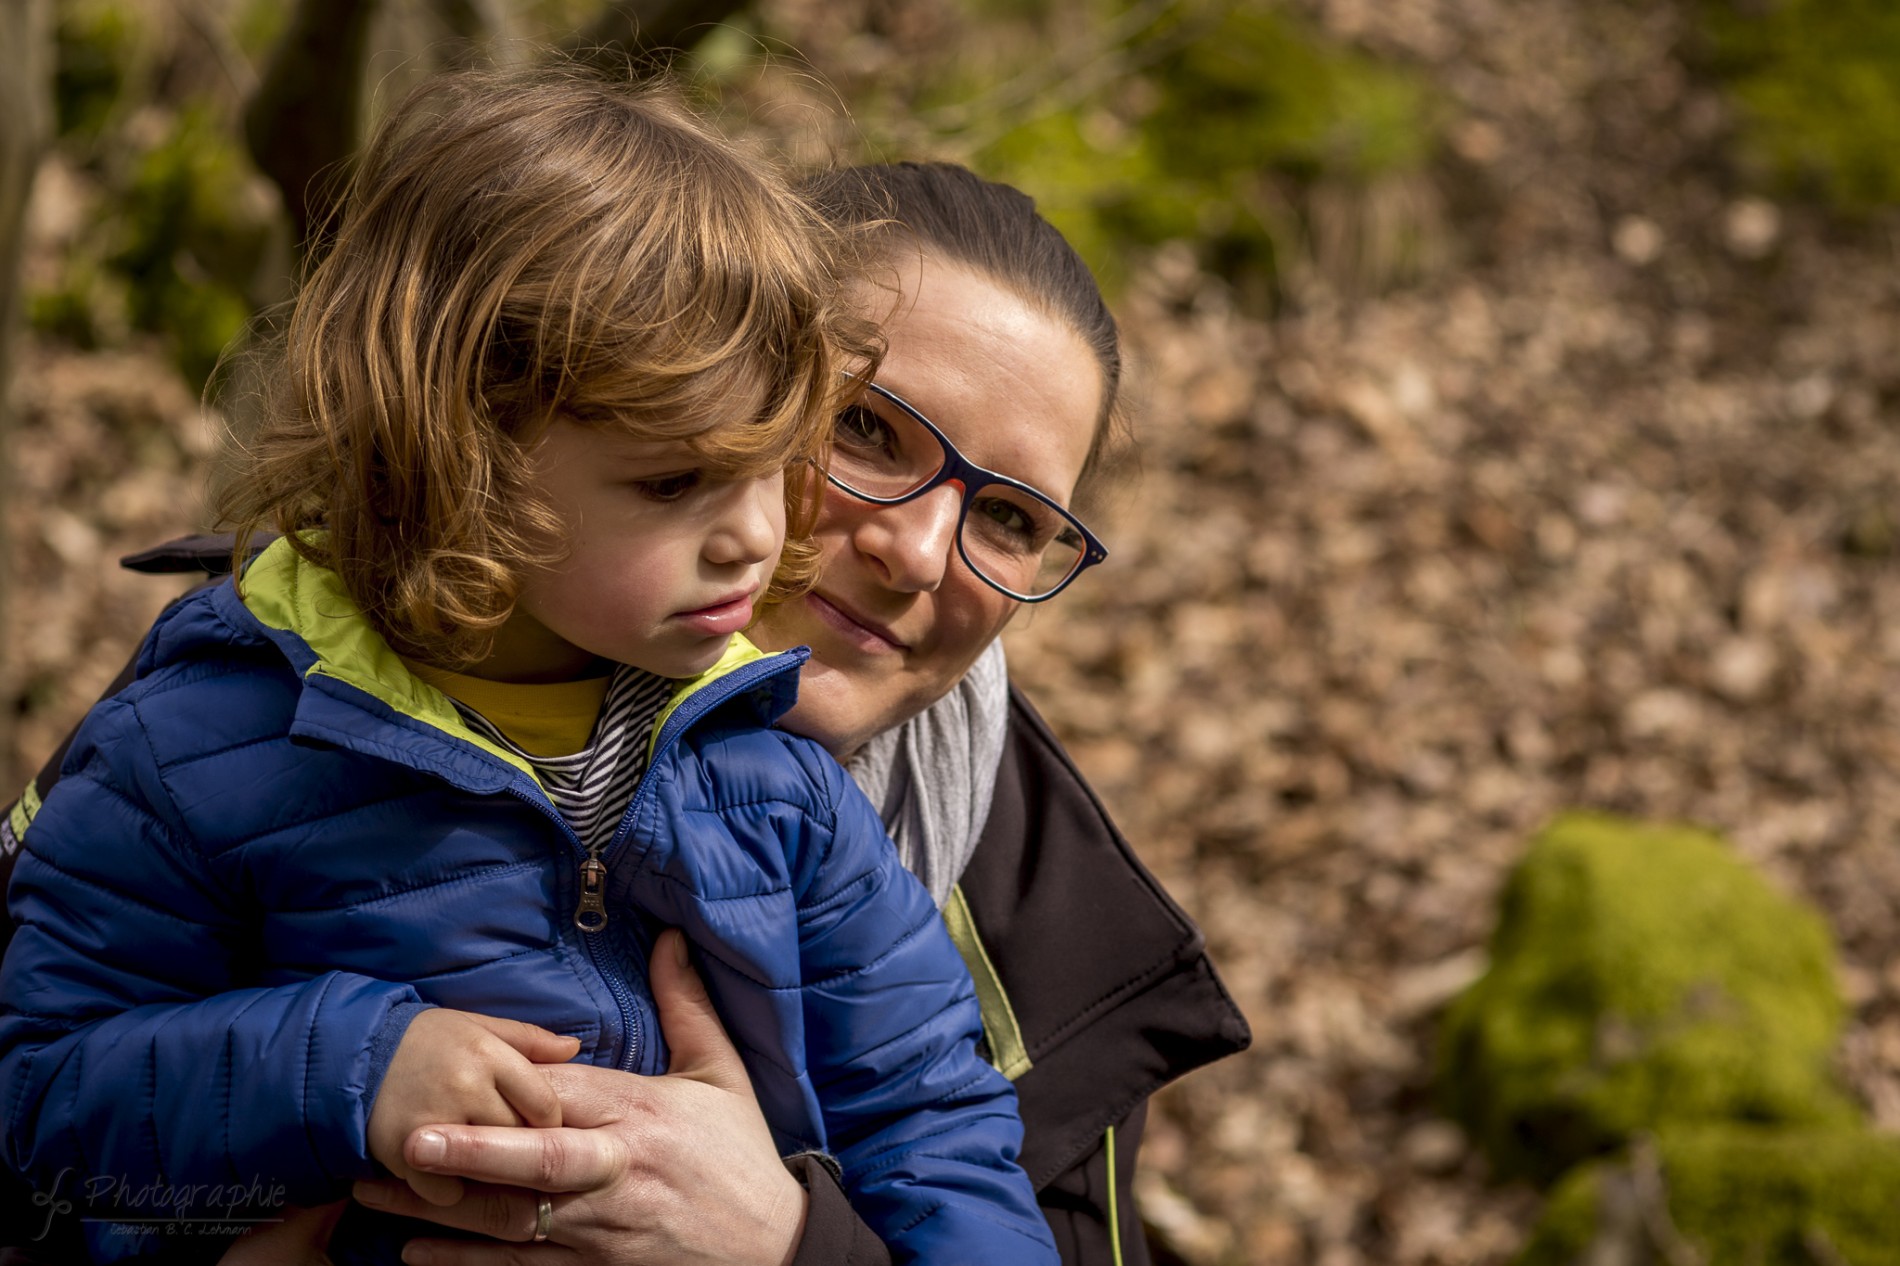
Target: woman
(1096,990)
(1095,987)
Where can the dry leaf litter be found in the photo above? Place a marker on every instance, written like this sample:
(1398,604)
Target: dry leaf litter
(1603,515)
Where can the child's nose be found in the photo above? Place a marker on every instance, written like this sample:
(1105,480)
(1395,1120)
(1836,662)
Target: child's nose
(752,527)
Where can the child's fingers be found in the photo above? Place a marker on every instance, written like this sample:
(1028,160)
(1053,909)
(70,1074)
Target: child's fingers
(531,1040)
(527,1092)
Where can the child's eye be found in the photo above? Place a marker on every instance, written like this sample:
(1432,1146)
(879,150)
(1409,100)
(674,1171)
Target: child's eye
(667,487)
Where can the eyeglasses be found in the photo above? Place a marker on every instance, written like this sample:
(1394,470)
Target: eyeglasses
(1015,539)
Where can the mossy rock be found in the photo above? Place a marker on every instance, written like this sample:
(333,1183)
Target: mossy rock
(1641,976)
(1731,1195)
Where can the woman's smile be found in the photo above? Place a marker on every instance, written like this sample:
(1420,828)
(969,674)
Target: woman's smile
(859,631)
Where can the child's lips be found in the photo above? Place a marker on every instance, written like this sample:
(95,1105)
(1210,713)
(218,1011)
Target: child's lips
(722,618)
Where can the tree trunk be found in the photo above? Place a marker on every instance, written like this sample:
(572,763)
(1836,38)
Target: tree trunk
(635,35)
(304,121)
(26,125)
(479,30)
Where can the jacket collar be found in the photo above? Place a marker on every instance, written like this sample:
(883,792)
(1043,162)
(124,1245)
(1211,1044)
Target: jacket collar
(1110,994)
(359,694)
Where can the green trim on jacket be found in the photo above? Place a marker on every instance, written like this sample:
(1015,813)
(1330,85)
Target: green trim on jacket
(1000,1029)
(291,594)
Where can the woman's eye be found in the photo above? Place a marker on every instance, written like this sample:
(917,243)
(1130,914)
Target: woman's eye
(667,487)
(862,429)
(1012,519)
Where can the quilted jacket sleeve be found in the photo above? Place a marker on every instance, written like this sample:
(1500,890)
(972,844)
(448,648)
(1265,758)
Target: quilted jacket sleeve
(127,1050)
(926,1131)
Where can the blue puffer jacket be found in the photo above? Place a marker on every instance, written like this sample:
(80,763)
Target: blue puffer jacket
(276,842)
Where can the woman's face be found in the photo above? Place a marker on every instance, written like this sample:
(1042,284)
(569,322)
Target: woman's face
(896,617)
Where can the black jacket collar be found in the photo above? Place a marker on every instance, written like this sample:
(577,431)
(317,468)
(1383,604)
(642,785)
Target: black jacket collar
(1109,979)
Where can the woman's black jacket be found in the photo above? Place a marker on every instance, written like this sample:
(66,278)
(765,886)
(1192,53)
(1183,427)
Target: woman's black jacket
(1111,990)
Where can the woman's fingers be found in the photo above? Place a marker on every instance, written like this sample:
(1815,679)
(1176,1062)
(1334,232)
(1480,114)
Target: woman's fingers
(437,1189)
(545,1160)
(651,1169)
(501,1213)
(507,1215)
(467,1253)
(701,1049)
(300,1239)
(679,1168)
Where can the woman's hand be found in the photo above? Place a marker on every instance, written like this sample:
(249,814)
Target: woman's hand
(674,1169)
(298,1240)
(467,1068)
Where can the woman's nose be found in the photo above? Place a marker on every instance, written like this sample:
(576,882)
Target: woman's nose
(914,541)
(751,525)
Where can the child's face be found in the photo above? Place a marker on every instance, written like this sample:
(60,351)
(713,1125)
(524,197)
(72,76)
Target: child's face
(661,564)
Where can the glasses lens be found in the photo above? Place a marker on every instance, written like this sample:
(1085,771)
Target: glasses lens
(1014,538)
(882,454)
(1021,542)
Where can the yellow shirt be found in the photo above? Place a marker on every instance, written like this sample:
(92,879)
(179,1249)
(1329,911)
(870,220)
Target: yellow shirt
(552,718)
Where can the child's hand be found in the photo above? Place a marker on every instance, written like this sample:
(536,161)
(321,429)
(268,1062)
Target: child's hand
(459,1068)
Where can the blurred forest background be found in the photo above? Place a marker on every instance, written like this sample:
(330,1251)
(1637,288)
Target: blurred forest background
(1518,381)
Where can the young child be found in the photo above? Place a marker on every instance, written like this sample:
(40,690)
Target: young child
(482,723)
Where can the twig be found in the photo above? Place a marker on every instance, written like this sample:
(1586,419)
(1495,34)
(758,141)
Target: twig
(1652,1202)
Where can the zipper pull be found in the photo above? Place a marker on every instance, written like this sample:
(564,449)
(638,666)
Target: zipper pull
(591,914)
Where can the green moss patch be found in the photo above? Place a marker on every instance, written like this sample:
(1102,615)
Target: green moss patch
(1748,1195)
(1641,977)
(1238,110)
(1817,85)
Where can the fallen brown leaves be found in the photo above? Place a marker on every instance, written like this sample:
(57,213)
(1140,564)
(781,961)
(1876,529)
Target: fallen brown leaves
(1608,516)
(1605,518)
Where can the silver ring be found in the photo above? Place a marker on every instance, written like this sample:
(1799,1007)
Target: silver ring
(543,1219)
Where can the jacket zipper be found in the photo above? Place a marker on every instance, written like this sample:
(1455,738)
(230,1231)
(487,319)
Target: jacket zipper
(590,915)
(590,912)
(623,998)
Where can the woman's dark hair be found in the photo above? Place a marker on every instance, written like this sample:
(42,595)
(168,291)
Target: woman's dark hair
(995,230)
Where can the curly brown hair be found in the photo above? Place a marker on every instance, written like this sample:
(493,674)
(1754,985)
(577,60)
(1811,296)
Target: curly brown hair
(515,246)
